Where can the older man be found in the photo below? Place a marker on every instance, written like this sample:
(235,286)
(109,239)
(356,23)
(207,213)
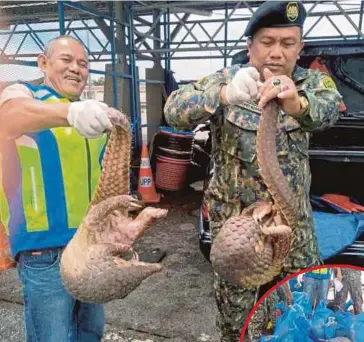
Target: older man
(49,169)
(233,99)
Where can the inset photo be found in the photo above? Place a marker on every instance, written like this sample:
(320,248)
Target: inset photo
(319,304)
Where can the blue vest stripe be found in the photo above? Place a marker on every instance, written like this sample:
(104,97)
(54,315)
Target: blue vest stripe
(45,97)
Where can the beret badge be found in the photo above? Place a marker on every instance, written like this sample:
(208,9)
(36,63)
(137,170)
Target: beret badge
(292,11)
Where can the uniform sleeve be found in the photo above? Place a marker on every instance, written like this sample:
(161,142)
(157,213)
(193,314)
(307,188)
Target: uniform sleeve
(324,100)
(14,91)
(194,103)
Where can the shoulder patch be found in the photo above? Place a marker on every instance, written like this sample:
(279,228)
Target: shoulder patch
(329,82)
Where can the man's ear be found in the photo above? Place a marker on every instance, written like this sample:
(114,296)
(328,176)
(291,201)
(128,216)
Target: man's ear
(302,45)
(249,45)
(42,62)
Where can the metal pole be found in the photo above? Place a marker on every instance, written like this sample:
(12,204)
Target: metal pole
(120,30)
(134,115)
(167,55)
(61,17)
(169,38)
(361,16)
(157,36)
(113,61)
(226,34)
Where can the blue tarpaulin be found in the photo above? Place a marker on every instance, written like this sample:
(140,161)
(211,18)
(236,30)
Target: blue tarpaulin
(336,231)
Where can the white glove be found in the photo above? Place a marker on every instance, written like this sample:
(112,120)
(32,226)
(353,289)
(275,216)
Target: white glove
(89,118)
(338,285)
(243,86)
(299,280)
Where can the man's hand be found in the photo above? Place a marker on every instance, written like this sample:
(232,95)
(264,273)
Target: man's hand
(299,280)
(243,87)
(90,118)
(285,92)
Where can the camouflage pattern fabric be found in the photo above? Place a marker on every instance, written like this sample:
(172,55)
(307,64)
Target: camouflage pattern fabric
(351,284)
(264,318)
(236,182)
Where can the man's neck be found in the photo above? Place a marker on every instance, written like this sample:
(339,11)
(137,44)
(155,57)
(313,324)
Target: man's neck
(49,85)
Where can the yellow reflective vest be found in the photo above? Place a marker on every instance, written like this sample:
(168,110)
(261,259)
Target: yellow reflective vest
(47,180)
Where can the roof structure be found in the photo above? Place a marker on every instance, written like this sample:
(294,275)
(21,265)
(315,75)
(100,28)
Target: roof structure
(162,29)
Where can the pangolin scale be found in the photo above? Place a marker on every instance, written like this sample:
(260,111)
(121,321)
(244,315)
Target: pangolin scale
(250,249)
(97,265)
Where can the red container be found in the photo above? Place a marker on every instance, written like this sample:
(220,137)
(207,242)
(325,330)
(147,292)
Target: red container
(171,173)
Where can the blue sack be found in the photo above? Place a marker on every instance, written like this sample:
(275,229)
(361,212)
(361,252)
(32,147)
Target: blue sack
(271,338)
(280,306)
(299,331)
(343,320)
(286,322)
(347,305)
(330,327)
(293,285)
(320,318)
(357,328)
(302,299)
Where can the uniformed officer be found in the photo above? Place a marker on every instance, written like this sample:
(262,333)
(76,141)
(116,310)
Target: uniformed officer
(232,99)
(351,280)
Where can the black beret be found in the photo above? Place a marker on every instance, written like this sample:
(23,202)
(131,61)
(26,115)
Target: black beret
(276,14)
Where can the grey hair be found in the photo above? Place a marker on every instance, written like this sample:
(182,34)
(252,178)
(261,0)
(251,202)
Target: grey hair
(49,47)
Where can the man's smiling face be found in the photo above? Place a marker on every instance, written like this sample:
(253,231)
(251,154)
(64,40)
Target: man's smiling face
(65,67)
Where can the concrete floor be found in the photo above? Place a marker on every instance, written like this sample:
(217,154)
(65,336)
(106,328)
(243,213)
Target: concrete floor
(175,305)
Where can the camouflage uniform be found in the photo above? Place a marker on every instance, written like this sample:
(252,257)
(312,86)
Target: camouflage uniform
(264,318)
(282,294)
(236,182)
(351,283)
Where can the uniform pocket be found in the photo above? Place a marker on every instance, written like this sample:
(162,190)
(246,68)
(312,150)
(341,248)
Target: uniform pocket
(292,140)
(44,261)
(239,133)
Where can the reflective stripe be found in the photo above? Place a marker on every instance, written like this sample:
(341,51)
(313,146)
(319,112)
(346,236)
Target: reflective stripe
(53,99)
(320,271)
(74,170)
(32,189)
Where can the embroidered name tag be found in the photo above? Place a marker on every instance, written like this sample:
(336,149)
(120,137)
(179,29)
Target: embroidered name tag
(251,106)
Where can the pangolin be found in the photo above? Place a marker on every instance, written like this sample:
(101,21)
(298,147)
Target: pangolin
(97,265)
(250,249)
